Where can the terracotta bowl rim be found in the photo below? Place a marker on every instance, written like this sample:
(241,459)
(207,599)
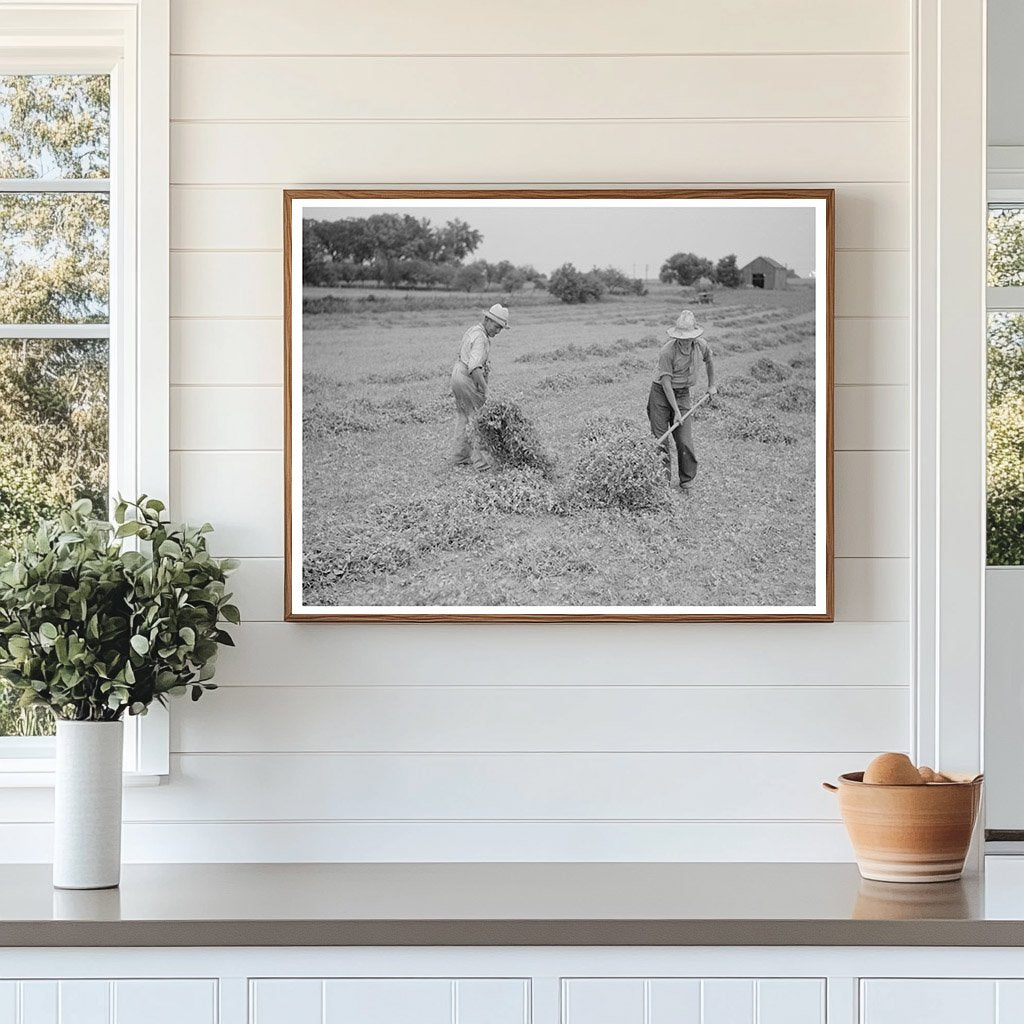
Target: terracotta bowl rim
(857,779)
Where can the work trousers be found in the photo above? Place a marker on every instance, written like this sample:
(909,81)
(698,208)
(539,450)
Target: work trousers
(468,402)
(660,413)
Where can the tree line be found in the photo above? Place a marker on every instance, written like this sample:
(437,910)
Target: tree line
(401,251)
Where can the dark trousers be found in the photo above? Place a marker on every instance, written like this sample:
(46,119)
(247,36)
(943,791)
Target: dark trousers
(660,413)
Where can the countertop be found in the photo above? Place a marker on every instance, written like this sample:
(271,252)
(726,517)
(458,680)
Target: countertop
(489,904)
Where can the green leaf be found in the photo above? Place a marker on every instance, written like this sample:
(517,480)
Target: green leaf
(229,564)
(170,549)
(231,613)
(49,631)
(140,644)
(188,634)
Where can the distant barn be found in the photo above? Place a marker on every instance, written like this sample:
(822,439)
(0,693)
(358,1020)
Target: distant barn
(763,272)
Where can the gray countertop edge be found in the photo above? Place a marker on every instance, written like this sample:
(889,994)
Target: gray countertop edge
(510,933)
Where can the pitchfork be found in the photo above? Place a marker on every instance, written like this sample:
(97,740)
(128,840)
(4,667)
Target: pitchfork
(686,415)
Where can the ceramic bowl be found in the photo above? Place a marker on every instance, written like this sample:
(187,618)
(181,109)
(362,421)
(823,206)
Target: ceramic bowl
(909,833)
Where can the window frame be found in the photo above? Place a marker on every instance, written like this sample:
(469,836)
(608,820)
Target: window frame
(130,41)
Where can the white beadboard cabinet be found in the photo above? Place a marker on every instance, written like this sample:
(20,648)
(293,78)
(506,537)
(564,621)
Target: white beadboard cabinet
(513,985)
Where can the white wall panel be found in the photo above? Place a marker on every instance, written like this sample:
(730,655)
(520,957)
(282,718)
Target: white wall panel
(873,283)
(227,352)
(872,418)
(867,589)
(241,493)
(868,216)
(406,26)
(545,151)
(477,87)
(742,93)
(601,654)
(9,1002)
(872,589)
(460,787)
(872,499)
(236,418)
(872,350)
(158,842)
(630,718)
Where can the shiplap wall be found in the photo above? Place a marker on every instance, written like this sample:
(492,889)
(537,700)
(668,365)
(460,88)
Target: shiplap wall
(688,741)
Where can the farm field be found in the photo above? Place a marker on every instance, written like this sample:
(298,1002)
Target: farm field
(387,521)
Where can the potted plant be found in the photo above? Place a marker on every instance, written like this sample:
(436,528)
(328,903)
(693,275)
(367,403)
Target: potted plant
(92,630)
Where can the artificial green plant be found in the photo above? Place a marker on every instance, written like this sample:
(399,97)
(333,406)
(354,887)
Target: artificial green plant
(91,629)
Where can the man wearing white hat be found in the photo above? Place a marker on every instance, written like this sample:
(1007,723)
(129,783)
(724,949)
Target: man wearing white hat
(674,381)
(469,385)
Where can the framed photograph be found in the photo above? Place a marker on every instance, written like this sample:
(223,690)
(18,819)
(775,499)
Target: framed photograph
(558,405)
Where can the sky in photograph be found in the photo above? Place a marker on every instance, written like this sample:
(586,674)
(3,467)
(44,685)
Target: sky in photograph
(634,239)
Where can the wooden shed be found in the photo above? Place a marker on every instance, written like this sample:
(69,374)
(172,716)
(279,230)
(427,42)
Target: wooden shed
(763,272)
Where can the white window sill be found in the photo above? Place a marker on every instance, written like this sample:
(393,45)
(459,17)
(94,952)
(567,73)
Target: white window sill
(39,773)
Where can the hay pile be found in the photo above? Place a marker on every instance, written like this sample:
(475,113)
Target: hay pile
(506,433)
(768,371)
(616,468)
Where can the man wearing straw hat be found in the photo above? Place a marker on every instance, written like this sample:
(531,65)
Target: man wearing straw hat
(670,399)
(469,385)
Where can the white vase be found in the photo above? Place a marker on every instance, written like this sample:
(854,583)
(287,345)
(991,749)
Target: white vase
(87,805)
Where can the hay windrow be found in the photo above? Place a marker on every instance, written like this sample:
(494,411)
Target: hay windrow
(762,427)
(791,397)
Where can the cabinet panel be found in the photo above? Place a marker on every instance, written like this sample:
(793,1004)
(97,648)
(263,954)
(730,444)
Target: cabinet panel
(286,1001)
(674,1000)
(728,1001)
(603,1001)
(84,1002)
(694,1001)
(38,1002)
(8,1002)
(1010,1002)
(389,1001)
(928,1001)
(165,1002)
(790,1001)
(492,1001)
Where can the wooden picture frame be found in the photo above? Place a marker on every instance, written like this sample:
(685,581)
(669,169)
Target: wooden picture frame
(330,563)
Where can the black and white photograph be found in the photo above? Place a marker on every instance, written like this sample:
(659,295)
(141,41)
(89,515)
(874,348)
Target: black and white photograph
(579,405)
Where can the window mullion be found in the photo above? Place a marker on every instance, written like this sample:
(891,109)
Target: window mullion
(64,332)
(54,185)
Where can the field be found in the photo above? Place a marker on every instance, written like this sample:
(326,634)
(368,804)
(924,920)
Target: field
(388,521)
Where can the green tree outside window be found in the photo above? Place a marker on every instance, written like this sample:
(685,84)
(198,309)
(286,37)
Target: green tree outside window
(54,271)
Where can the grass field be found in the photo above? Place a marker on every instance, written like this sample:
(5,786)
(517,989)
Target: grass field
(387,521)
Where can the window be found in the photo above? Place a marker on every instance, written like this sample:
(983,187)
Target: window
(1005,477)
(84,124)
(54,309)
